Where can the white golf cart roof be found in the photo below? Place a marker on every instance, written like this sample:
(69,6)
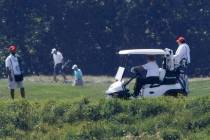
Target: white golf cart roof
(143,51)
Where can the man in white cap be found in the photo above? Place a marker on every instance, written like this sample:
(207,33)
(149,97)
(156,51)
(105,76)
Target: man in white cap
(58,64)
(78,76)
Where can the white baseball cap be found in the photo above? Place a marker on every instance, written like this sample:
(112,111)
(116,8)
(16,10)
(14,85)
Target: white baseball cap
(53,50)
(74,66)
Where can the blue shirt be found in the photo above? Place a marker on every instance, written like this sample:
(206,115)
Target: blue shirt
(78,74)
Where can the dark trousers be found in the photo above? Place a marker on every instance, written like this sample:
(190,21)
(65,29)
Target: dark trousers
(58,69)
(143,81)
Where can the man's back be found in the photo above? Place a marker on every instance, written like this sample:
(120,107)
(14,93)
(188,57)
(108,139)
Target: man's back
(183,52)
(152,69)
(57,57)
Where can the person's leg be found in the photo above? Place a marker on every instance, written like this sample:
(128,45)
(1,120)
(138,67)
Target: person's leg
(80,82)
(62,71)
(22,92)
(12,86)
(64,75)
(12,93)
(138,85)
(22,89)
(187,84)
(55,73)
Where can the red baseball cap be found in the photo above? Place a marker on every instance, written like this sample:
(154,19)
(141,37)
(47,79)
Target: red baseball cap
(180,39)
(12,48)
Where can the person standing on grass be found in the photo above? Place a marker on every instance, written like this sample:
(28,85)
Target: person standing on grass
(182,52)
(15,75)
(78,76)
(182,57)
(58,64)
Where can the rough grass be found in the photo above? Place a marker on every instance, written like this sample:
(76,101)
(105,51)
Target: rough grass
(159,118)
(60,111)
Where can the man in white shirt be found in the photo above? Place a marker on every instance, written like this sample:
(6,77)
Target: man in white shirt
(183,54)
(152,75)
(15,77)
(58,64)
(183,51)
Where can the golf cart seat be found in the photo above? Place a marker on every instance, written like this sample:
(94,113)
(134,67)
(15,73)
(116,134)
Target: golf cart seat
(170,77)
(162,73)
(154,85)
(166,77)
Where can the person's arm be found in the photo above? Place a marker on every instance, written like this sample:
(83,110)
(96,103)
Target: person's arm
(137,69)
(180,52)
(61,56)
(8,68)
(9,73)
(75,75)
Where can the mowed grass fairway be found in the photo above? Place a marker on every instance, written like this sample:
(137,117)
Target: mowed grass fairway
(43,88)
(58,111)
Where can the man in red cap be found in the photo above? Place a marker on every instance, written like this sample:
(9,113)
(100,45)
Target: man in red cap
(183,51)
(15,76)
(182,57)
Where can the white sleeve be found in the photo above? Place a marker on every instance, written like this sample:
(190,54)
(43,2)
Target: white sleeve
(179,54)
(61,56)
(7,63)
(146,66)
(188,55)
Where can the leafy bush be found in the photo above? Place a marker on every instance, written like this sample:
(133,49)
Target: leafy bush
(171,134)
(160,118)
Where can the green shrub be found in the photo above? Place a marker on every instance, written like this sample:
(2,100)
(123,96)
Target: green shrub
(48,115)
(159,118)
(124,118)
(21,114)
(94,131)
(200,123)
(170,134)
(111,108)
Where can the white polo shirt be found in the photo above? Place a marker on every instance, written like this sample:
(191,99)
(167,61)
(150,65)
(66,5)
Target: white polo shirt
(12,63)
(152,69)
(182,52)
(58,58)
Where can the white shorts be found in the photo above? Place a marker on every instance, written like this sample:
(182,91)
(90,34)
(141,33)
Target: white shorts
(13,84)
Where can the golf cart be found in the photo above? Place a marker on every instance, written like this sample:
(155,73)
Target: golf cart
(170,82)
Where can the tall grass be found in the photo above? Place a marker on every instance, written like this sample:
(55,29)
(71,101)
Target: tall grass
(60,111)
(159,118)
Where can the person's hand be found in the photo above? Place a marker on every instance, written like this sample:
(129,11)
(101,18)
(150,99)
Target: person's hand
(136,69)
(133,69)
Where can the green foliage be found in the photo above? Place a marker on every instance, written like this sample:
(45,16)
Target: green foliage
(171,134)
(160,118)
(90,31)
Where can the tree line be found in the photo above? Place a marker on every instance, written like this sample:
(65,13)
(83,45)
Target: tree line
(90,32)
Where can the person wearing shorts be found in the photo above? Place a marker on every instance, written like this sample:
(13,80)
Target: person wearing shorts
(15,77)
